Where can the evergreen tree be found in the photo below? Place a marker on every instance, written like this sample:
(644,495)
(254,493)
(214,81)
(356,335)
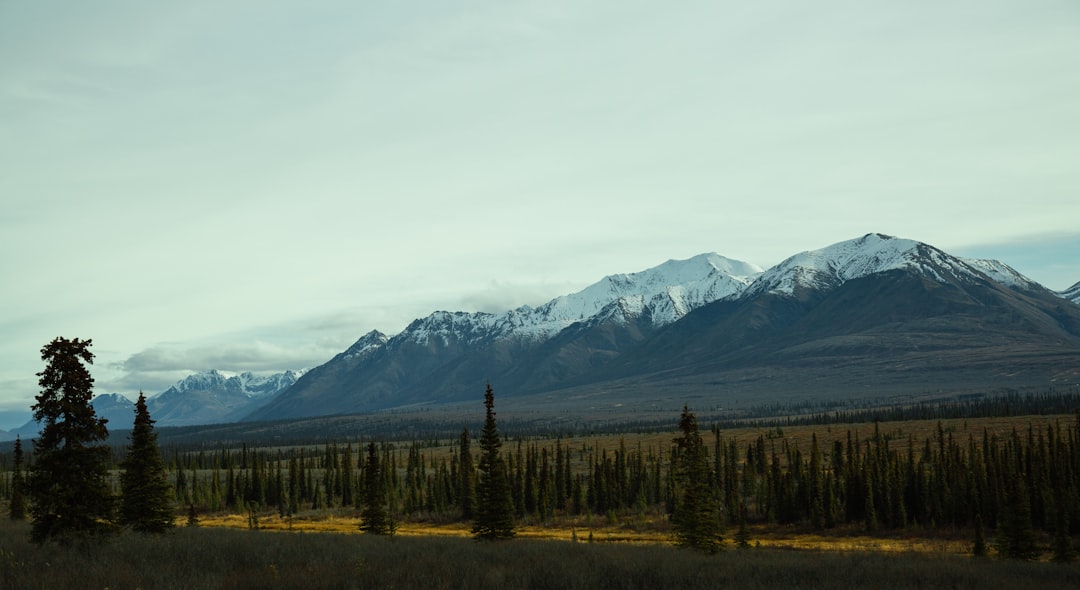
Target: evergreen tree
(1063,549)
(466,492)
(69,486)
(192,516)
(17,508)
(742,536)
(373,515)
(978,549)
(1016,538)
(144,502)
(697,516)
(494,507)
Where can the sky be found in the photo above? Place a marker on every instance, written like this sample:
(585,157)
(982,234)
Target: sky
(252,186)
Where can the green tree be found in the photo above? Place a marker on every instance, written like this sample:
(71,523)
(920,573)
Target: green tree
(466,492)
(1016,535)
(144,502)
(978,549)
(494,507)
(17,508)
(373,515)
(697,515)
(69,487)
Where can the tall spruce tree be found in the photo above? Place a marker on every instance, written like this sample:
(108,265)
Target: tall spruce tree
(697,514)
(69,484)
(494,511)
(145,505)
(466,492)
(1016,534)
(17,506)
(373,516)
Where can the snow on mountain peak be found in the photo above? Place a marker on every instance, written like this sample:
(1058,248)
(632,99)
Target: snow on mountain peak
(247,384)
(669,290)
(677,285)
(875,253)
(1072,293)
(367,343)
(844,261)
(1002,273)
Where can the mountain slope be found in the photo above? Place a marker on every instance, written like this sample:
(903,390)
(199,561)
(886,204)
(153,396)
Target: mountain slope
(118,410)
(866,316)
(1072,293)
(443,356)
(873,314)
(211,397)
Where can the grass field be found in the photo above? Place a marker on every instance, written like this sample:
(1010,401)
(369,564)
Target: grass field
(323,548)
(238,559)
(652,532)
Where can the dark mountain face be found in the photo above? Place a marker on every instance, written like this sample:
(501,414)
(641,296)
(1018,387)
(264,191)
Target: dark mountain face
(891,332)
(872,316)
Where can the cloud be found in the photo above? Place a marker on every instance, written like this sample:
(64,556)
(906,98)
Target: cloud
(155,369)
(252,356)
(501,296)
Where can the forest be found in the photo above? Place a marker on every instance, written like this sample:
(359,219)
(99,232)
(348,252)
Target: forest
(990,482)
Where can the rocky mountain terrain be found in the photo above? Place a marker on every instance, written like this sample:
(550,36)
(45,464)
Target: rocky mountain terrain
(874,315)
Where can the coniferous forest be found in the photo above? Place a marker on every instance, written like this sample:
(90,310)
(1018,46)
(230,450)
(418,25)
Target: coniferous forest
(877,481)
(1006,487)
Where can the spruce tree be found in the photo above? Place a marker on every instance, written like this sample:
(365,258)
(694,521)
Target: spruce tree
(145,505)
(1062,545)
(1016,535)
(697,515)
(494,507)
(978,548)
(466,492)
(17,507)
(373,515)
(69,487)
(742,536)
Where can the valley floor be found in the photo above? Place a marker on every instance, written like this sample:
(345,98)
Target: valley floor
(645,532)
(221,557)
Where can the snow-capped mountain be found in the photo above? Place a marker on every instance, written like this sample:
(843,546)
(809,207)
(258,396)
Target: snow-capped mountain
(891,309)
(246,384)
(118,410)
(666,292)
(210,397)
(833,265)
(433,348)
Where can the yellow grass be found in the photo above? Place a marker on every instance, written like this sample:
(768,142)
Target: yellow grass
(777,537)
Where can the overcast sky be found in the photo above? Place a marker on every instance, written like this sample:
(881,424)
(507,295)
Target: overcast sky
(254,185)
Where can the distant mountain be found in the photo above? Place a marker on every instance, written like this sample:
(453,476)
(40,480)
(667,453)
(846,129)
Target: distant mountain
(872,315)
(117,409)
(210,397)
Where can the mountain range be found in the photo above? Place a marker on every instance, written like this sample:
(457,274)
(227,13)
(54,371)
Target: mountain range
(207,397)
(876,315)
(869,317)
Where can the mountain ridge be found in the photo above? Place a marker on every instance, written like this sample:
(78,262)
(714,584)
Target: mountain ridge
(437,345)
(623,325)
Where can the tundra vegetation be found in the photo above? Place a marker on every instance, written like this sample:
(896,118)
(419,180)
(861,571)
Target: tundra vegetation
(960,501)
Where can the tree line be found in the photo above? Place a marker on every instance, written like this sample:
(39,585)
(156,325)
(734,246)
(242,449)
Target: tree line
(1010,490)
